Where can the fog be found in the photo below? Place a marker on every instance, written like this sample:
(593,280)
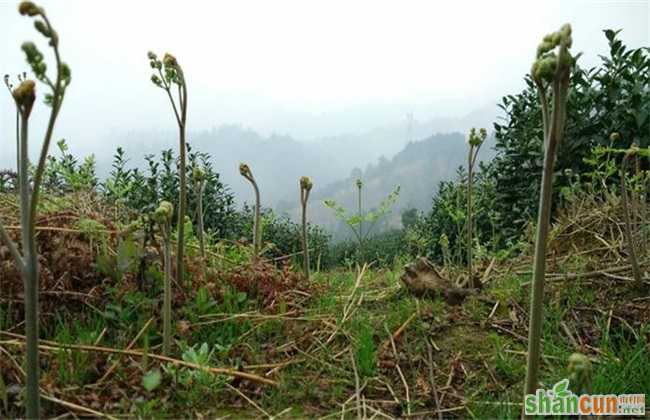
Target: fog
(308,70)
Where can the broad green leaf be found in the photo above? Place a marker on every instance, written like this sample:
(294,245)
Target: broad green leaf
(152,380)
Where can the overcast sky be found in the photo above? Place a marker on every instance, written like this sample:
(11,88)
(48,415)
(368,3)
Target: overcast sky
(287,66)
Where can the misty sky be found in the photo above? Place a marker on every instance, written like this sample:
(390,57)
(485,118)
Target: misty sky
(306,68)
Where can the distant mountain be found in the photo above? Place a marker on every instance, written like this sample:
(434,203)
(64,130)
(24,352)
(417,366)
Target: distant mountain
(278,161)
(417,169)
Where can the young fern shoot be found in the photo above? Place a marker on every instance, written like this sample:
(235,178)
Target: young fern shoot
(629,236)
(306,185)
(27,258)
(359,184)
(10,87)
(245,171)
(476,139)
(163,216)
(554,71)
(171,74)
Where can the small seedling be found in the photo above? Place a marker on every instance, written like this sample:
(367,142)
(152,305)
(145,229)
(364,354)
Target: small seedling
(305,187)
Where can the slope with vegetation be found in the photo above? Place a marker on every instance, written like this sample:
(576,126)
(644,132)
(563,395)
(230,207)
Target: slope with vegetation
(255,331)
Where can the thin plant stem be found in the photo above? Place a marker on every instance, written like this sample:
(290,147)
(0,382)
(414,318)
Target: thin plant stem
(199,210)
(167,298)
(629,237)
(304,197)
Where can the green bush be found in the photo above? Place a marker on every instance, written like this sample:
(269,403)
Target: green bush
(612,97)
(281,236)
(142,190)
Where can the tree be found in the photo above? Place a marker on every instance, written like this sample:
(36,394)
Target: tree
(355,221)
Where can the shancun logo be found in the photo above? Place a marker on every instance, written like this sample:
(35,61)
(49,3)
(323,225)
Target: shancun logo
(560,400)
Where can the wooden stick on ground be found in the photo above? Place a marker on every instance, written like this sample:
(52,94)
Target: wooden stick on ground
(398,332)
(434,388)
(77,407)
(129,347)
(357,384)
(53,345)
(399,371)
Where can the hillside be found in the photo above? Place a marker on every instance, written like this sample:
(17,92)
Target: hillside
(418,169)
(416,278)
(278,160)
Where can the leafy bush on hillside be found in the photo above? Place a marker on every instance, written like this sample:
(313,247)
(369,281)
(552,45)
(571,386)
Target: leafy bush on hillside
(280,235)
(611,97)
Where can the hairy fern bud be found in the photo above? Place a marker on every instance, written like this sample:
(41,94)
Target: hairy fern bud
(66,74)
(477,138)
(164,212)
(28,8)
(156,80)
(198,174)
(547,64)
(245,171)
(170,61)
(42,28)
(359,184)
(25,95)
(615,136)
(580,372)
(306,183)
(35,59)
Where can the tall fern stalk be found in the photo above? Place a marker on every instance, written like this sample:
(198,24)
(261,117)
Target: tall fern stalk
(27,258)
(10,87)
(199,184)
(554,70)
(305,188)
(163,216)
(475,142)
(245,171)
(170,77)
(360,215)
(629,236)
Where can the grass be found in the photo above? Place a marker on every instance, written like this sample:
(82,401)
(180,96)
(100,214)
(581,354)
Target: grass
(304,342)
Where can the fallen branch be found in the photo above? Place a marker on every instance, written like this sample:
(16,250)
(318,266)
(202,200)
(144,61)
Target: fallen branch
(434,389)
(129,347)
(398,332)
(399,371)
(53,345)
(77,407)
